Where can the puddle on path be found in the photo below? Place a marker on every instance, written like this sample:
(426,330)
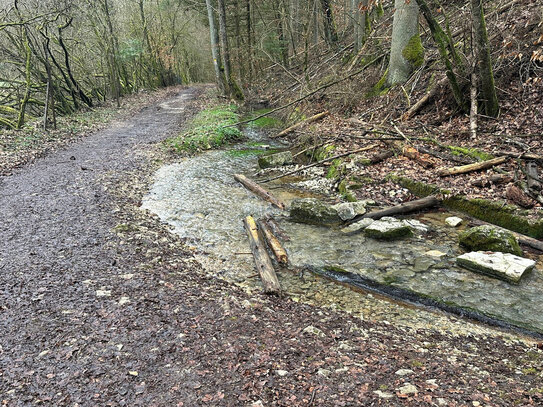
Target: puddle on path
(199,198)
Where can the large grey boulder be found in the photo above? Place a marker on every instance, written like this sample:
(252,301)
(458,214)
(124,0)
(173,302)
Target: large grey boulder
(504,266)
(490,238)
(275,160)
(313,211)
(388,228)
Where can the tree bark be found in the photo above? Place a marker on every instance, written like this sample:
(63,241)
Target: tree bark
(406,52)
(330,30)
(482,47)
(215,50)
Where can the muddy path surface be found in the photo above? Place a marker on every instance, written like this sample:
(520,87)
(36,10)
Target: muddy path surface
(101,305)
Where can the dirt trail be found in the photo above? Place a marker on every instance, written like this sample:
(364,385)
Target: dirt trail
(90,317)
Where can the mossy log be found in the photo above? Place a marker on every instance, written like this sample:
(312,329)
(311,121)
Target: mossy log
(472,167)
(263,263)
(258,190)
(401,209)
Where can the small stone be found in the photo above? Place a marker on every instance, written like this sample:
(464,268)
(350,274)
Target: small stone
(454,221)
(357,226)
(383,395)
(349,210)
(504,266)
(133,373)
(408,388)
(103,293)
(435,253)
(281,373)
(404,372)
(324,372)
(432,382)
(124,300)
(416,225)
(441,401)
(313,330)
(388,229)
(127,276)
(475,403)
(275,160)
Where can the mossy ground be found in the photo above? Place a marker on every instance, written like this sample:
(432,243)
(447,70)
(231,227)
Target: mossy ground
(207,130)
(251,151)
(266,122)
(470,152)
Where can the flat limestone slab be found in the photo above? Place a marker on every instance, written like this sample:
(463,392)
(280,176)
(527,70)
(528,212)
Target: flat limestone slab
(504,266)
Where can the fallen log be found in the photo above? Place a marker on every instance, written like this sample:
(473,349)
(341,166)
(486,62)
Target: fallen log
(263,263)
(493,179)
(424,100)
(303,122)
(273,243)
(401,209)
(321,162)
(276,229)
(444,156)
(472,167)
(258,190)
(381,156)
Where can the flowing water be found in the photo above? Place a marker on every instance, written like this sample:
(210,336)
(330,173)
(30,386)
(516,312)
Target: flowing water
(200,199)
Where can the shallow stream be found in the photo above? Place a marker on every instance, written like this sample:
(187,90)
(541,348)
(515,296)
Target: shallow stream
(199,198)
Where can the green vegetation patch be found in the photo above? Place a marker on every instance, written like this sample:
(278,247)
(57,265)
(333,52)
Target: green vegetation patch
(470,152)
(250,151)
(207,130)
(266,121)
(414,51)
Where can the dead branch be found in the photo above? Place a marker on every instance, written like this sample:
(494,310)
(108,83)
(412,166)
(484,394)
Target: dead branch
(258,190)
(302,123)
(472,167)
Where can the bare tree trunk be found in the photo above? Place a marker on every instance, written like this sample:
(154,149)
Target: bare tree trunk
(215,50)
(233,88)
(482,47)
(406,51)
(28,83)
(330,30)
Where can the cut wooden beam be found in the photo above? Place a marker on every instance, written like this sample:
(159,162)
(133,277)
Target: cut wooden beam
(472,167)
(401,209)
(258,190)
(270,282)
(303,122)
(273,243)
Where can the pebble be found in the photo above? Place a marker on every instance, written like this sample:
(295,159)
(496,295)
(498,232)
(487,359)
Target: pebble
(408,388)
(384,395)
(324,372)
(404,372)
(454,221)
(315,331)
(124,300)
(281,373)
(103,293)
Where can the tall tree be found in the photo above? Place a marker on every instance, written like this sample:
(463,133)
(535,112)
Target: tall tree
(215,49)
(484,62)
(406,51)
(330,30)
(233,88)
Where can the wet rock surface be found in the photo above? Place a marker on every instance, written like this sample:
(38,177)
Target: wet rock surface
(505,266)
(388,228)
(313,211)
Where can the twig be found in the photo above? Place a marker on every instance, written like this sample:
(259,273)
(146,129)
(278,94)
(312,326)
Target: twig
(325,86)
(321,162)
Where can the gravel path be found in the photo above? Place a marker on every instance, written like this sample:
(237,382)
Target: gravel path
(100,305)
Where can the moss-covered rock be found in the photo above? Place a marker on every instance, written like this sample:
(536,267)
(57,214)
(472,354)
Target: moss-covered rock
(488,238)
(275,160)
(313,211)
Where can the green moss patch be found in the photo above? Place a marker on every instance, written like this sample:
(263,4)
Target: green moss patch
(495,212)
(414,51)
(207,130)
(266,121)
(250,151)
(470,152)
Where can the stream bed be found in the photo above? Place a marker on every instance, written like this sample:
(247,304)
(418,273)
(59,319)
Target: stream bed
(201,201)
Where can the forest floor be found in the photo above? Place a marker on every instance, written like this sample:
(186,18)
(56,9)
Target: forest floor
(100,304)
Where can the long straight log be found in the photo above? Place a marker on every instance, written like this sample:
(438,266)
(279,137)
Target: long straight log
(303,122)
(273,243)
(401,209)
(270,283)
(472,167)
(258,190)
